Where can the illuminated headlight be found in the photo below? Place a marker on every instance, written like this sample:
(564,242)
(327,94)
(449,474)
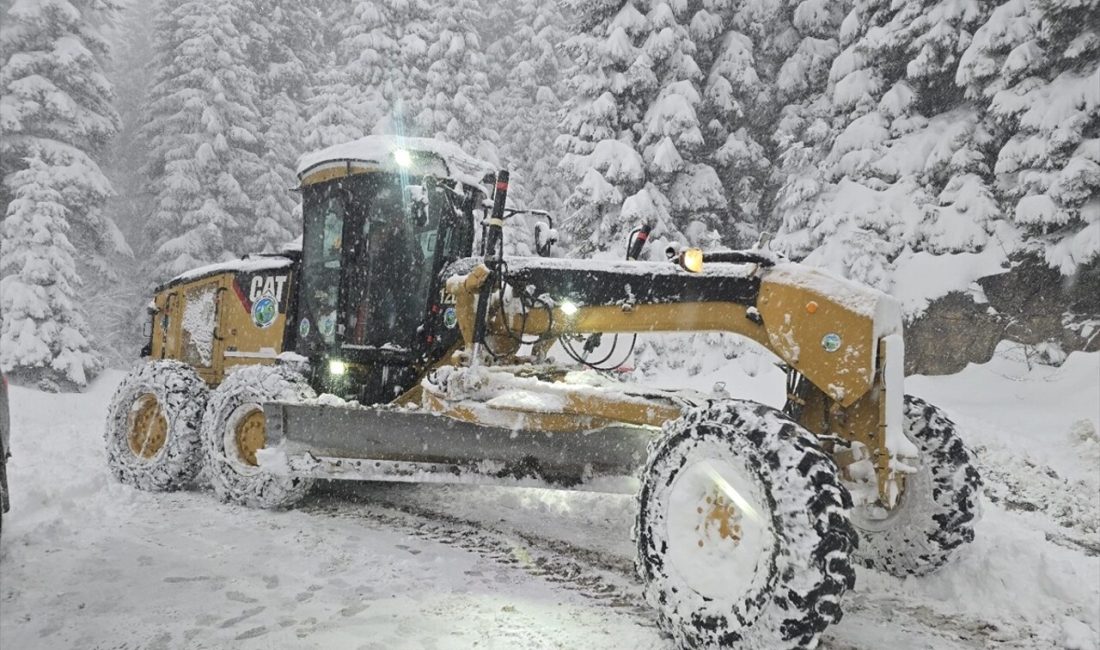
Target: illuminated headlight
(402,157)
(692,260)
(337,368)
(569,308)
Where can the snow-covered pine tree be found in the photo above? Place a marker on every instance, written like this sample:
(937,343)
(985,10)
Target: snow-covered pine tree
(55,100)
(448,86)
(525,77)
(373,62)
(1036,63)
(204,128)
(44,336)
(671,140)
(281,41)
(598,144)
(734,41)
(905,169)
(632,139)
(803,128)
(276,207)
(56,108)
(651,105)
(334,111)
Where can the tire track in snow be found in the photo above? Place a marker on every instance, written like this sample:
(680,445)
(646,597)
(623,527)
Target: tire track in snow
(1022,485)
(606,580)
(917,625)
(610,581)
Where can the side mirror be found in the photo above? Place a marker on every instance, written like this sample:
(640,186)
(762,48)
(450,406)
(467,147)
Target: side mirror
(416,198)
(545,238)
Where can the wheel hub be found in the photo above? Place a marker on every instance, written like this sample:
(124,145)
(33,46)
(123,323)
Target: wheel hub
(720,537)
(721,521)
(148,427)
(251,436)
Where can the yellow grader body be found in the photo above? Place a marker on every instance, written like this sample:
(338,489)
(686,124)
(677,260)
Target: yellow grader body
(800,311)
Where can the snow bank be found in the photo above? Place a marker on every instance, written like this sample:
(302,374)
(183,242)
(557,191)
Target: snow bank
(920,278)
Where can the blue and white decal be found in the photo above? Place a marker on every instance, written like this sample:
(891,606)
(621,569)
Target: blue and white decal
(264,311)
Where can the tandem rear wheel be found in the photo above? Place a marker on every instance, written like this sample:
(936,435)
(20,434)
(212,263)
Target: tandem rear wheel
(234,431)
(152,433)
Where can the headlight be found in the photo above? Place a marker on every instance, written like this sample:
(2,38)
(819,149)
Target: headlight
(402,157)
(337,368)
(692,260)
(569,308)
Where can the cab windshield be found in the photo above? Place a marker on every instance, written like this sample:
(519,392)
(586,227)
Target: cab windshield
(367,257)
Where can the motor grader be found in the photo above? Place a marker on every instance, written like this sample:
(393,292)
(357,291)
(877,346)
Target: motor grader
(398,343)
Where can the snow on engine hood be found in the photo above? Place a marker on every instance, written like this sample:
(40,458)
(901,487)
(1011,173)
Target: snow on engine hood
(249,264)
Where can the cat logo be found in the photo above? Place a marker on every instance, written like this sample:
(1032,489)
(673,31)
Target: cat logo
(271,285)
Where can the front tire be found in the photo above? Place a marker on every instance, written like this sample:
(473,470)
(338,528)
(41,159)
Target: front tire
(152,433)
(234,430)
(742,531)
(938,508)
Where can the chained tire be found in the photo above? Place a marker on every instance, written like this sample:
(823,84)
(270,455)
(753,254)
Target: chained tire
(152,431)
(743,533)
(938,507)
(234,430)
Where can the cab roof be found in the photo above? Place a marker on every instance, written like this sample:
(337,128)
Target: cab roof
(376,153)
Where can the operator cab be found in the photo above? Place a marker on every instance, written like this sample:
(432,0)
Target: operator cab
(382,218)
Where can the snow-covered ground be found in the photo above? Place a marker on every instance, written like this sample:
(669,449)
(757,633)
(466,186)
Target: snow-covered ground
(88,563)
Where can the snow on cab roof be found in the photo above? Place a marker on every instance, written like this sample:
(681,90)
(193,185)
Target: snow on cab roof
(378,149)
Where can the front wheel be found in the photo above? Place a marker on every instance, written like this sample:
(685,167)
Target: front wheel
(743,532)
(937,508)
(234,430)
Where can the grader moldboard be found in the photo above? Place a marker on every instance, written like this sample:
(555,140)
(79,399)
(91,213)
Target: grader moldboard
(433,366)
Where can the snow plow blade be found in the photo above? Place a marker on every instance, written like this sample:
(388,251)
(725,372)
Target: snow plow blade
(387,444)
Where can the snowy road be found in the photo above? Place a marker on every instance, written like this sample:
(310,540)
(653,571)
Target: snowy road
(87,563)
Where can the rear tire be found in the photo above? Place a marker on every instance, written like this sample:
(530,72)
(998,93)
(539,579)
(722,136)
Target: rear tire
(233,429)
(938,508)
(152,433)
(758,558)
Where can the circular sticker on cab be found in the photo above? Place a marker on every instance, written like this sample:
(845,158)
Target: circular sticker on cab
(326,325)
(265,311)
(303,327)
(450,318)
